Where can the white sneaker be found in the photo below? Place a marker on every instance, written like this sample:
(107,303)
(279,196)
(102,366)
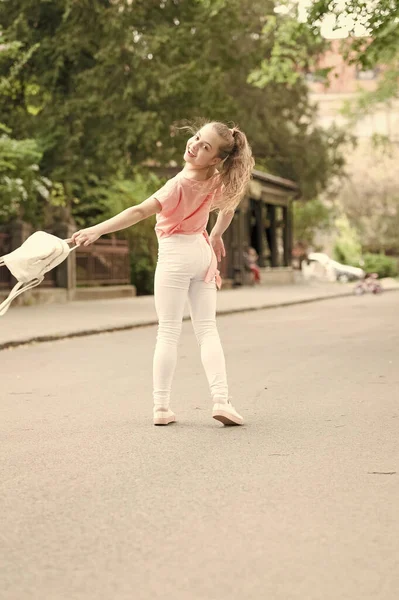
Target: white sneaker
(163,416)
(226,414)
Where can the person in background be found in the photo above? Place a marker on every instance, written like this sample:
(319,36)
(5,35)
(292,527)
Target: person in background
(251,258)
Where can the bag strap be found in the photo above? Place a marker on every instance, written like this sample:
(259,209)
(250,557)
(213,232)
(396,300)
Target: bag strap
(18,289)
(68,241)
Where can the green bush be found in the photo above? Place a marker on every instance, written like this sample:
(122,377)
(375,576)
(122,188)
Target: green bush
(23,190)
(142,238)
(142,271)
(385,266)
(309,218)
(347,248)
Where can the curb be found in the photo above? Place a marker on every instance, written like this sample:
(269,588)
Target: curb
(220,313)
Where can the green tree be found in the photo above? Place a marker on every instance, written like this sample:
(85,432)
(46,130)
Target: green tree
(109,78)
(22,189)
(369,197)
(309,218)
(377,47)
(118,196)
(273,103)
(347,248)
(372,42)
(377,18)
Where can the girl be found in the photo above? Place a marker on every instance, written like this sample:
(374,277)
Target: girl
(251,258)
(218,166)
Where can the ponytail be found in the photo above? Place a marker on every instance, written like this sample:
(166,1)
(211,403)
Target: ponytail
(236,168)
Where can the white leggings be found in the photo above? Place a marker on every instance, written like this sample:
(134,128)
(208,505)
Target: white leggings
(183,261)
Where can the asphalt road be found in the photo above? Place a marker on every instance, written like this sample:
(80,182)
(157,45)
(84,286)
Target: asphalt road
(301,503)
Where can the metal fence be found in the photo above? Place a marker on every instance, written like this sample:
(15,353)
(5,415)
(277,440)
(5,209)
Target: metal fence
(104,263)
(50,279)
(5,275)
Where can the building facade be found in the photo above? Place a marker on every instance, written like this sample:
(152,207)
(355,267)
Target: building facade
(343,85)
(263,221)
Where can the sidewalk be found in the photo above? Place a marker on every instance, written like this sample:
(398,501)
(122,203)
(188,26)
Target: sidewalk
(39,323)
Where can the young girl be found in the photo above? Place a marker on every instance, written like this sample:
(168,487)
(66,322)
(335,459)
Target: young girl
(218,165)
(251,258)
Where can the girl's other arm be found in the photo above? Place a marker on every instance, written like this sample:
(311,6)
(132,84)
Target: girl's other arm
(222,223)
(125,219)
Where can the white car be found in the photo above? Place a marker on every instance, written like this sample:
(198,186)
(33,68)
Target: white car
(333,270)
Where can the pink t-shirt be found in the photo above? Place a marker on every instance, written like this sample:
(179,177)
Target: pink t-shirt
(186,204)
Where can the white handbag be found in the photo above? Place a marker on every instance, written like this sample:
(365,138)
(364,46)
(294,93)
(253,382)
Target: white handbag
(29,263)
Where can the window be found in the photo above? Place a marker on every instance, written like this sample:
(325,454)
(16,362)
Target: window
(367,75)
(315,78)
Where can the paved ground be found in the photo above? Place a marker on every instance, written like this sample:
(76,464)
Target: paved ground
(54,321)
(301,503)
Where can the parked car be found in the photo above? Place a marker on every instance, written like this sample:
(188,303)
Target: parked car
(334,270)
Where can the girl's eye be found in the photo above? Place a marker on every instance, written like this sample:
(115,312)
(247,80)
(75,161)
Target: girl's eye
(206,148)
(197,137)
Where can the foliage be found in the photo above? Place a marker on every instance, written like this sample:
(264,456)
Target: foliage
(22,188)
(385,266)
(378,20)
(286,140)
(366,101)
(369,197)
(372,42)
(310,217)
(108,79)
(295,48)
(104,83)
(142,241)
(347,248)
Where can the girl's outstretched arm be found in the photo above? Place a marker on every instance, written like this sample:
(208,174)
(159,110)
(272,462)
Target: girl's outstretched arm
(222,223)
(125,219)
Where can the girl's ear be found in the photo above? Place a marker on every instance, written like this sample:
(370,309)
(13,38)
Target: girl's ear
(216,160)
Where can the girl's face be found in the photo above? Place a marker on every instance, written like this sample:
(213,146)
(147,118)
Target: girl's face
(203,148)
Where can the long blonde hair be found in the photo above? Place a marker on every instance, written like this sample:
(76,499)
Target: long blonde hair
(236,167)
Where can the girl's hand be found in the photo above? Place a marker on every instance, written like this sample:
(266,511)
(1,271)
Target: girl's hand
(85,237)
(218,246)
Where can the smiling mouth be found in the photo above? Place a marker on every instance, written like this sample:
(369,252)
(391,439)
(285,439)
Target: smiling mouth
(190,153)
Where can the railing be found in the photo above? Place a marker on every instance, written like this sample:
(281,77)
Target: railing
(104,263)
(5,275)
